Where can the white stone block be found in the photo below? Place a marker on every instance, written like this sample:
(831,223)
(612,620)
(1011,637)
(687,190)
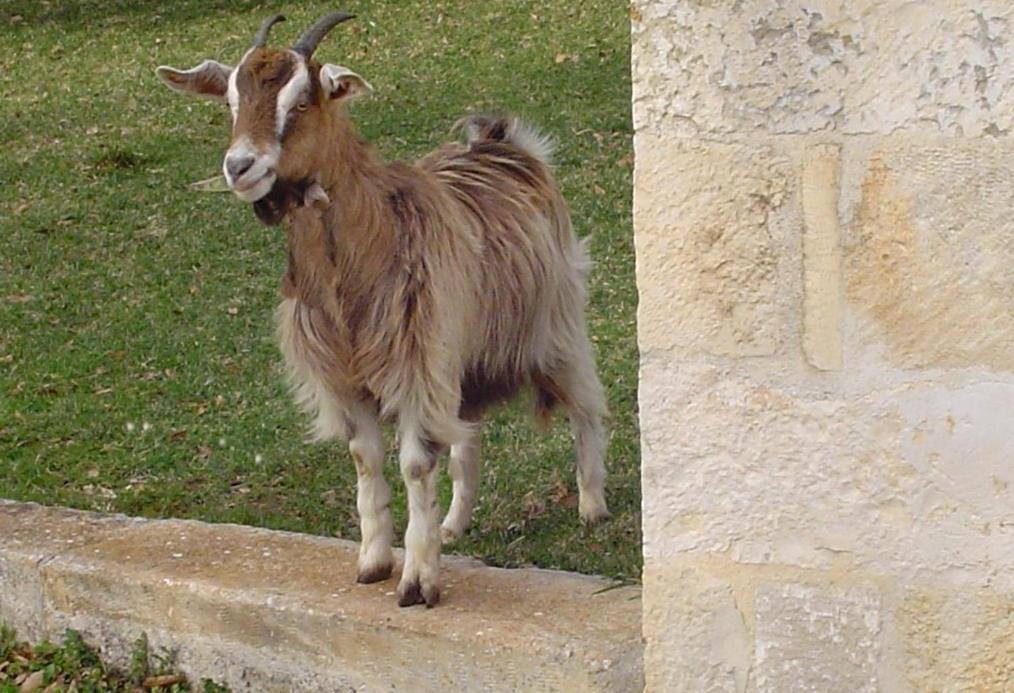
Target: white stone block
(819,639)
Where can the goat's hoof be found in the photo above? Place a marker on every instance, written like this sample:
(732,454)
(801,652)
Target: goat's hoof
(375,574)
(595,514)
(448,535)
(414,593)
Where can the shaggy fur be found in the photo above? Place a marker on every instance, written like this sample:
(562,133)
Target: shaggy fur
(420,295)
(439,289)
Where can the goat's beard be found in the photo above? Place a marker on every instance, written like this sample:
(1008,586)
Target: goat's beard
(284,194)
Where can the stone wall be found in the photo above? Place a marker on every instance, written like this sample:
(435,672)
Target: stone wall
(824,221)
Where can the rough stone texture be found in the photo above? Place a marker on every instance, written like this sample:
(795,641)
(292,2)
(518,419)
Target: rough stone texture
(25,548)
(817,639)
(262,610)
(710,644)
(822,304)
(803,66)
(930,261)
(879,482)
(824,224)
(712,207)
(957,642)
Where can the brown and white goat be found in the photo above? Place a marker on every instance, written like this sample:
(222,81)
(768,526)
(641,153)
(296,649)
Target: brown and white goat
(419,294)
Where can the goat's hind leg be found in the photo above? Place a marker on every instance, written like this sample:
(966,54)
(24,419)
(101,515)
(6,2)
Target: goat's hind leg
(590,443)
(373,496)
(463,466)
(576,386)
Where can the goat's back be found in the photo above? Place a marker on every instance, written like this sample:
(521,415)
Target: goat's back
(529,268)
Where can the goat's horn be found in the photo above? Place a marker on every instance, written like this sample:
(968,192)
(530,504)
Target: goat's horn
(307,43)
(262,34)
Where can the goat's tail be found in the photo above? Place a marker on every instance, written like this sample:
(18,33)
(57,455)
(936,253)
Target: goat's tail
(518,132)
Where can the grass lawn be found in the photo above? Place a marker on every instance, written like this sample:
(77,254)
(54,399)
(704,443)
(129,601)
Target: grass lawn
(138,370)
(72,665)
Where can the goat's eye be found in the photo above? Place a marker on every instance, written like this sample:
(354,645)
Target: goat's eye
(302,106)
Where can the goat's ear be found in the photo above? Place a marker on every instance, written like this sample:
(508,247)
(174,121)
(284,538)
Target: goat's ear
(209,80)
(342,83)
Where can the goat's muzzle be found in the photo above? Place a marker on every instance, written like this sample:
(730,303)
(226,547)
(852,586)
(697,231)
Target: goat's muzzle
(253,187)
(249,171)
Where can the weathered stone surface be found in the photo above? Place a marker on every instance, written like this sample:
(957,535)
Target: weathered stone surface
(827,185)
(958,641)
(29,536)
(801,66)
(929,261)
(275,611)
(822,280)
(881,481)
(813,638)
(709,240)
(989,664)
(709,646)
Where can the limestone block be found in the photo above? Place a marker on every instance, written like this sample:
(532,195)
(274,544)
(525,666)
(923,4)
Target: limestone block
(911,480)
(696,637)
(275,611)
(957,641)
(29,537)
(817,638)
(822,281)
(989,661)
(710,242)
(796,66)
(929,257)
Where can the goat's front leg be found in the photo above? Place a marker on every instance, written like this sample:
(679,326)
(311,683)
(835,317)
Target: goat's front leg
(373,497)
(420,576)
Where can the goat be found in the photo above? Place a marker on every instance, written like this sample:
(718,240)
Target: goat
(416,294)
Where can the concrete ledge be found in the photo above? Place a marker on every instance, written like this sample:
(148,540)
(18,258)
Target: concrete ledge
(264,610)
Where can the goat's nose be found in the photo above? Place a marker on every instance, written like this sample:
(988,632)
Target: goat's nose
(238,165)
